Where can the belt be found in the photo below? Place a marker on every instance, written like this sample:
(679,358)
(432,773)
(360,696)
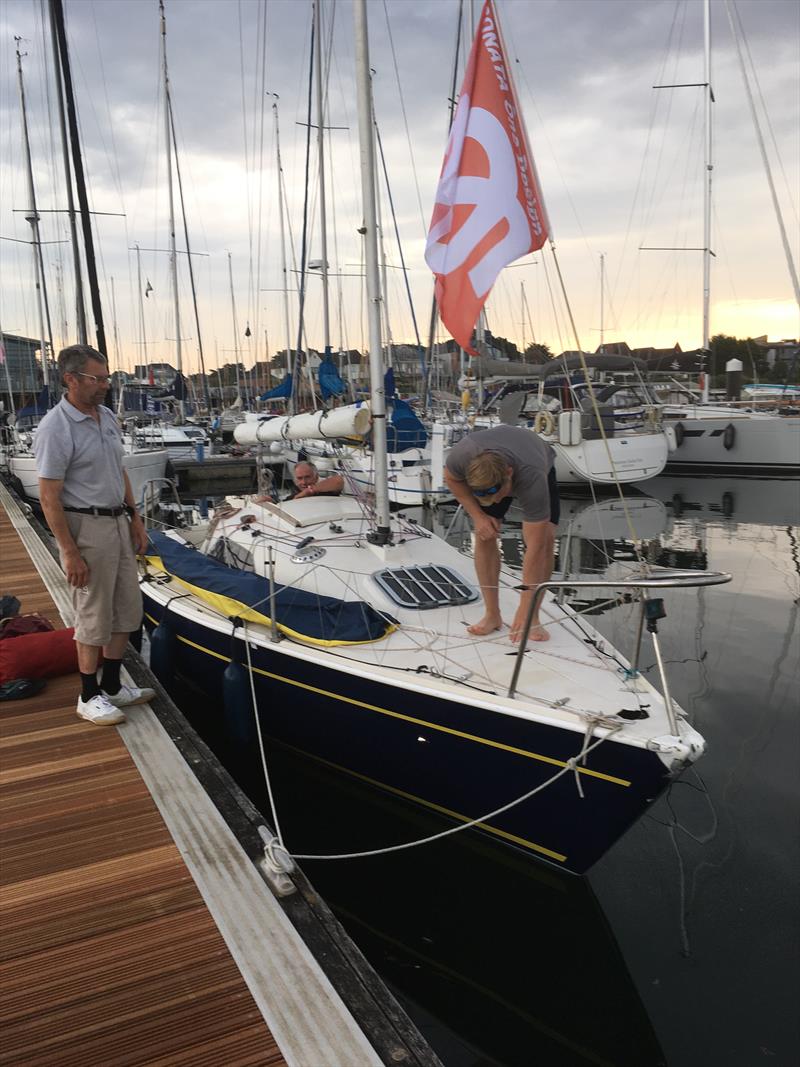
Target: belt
(105,512)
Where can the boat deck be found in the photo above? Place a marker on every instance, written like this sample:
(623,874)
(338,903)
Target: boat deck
(135,928)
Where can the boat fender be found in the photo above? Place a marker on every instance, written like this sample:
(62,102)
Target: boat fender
(727,503)
(677,505)
(678,434)
(672,438)
(544,423)
(237,700)
(729,436)
(163,650)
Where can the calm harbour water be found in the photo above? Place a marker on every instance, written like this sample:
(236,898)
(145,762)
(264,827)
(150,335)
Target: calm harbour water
(681,946)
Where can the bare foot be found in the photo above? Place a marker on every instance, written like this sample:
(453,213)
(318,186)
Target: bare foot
(487,625)
(537,633)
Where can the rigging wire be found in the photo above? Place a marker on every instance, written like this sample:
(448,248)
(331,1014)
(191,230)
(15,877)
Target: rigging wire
(411,154)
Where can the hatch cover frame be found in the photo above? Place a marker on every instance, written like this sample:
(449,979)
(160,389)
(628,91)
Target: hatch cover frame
(425,586)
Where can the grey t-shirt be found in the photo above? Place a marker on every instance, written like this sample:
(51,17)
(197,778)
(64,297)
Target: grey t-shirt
(86,455)
(527,454)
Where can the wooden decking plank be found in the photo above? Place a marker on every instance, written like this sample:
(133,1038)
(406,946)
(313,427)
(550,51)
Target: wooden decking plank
(108,953)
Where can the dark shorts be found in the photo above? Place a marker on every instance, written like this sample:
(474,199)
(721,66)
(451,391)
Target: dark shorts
(500,507)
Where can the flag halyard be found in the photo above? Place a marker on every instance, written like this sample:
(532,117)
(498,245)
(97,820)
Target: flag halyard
(489,209)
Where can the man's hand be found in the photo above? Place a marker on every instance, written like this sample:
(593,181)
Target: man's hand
(76,569)
(138,535)
(486,527)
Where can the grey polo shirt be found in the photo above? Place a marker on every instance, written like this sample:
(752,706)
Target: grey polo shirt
(529,457)
(86,455)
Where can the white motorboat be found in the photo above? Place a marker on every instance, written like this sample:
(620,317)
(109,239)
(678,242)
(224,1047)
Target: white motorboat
(619,440)
(180,442)
(732,439)
(143,466)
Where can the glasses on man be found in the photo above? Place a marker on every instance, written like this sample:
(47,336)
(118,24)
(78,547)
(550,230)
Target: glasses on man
(98,379)
(486,492)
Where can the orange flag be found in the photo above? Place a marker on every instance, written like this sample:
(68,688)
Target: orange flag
(489,210)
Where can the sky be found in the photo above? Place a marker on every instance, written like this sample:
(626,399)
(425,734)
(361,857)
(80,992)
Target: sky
(620,165)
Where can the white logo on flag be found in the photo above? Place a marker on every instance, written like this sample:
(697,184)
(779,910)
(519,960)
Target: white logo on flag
(494,199)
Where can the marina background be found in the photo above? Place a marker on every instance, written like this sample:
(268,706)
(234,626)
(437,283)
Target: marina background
(620,164)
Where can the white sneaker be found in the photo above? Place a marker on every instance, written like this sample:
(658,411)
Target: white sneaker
(129,694)
(99,711)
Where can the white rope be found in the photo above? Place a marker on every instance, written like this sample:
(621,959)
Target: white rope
(272,806)
(571,765)
(273,844)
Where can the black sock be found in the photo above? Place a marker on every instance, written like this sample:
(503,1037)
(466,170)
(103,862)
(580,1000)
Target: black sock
(89,686)
(110,681)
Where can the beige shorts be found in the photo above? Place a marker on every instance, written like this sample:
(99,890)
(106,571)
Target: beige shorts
(111,603)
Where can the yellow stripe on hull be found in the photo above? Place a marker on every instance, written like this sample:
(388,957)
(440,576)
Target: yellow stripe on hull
(409,718)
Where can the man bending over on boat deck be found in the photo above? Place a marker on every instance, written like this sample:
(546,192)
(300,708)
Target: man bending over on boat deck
(309,483)
(88,503)
(486,471)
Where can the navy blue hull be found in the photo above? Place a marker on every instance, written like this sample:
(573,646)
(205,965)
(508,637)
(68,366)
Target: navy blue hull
(459,759)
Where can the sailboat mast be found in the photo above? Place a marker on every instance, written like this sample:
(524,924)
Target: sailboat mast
(32,217)
(235,330)
(57,15)
(382,534)
(602,303)
(189,263)
(4,361)
(173,251)
(142,331)
(387,329)
(114,325)
(708,171)
(284,270)
(80,307)
(326,315)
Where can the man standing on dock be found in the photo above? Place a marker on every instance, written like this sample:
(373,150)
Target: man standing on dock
(485,472)
(88,503)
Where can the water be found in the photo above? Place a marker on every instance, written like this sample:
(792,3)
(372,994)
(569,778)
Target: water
(681,946)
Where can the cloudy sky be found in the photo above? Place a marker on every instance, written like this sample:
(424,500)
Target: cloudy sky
(620,166)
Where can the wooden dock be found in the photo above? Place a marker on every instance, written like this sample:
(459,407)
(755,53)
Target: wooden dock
(135,929)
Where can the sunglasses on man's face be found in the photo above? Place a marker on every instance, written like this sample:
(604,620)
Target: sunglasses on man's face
(486,492)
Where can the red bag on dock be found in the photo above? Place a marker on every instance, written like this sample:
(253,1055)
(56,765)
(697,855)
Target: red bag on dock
(22,625)
(39,655)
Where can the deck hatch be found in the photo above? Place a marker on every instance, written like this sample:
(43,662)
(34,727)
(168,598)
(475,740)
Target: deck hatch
(425,587)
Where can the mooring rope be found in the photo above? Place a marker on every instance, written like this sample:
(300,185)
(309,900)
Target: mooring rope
(276,845)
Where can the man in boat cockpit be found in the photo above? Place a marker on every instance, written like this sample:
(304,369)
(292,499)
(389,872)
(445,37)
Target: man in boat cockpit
(485,472)
(309,483)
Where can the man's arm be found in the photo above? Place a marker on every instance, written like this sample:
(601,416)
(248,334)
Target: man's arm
(485,526)
(138,532)
(330,485)
(75,567)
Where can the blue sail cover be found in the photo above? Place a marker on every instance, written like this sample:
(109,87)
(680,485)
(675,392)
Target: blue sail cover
(330,383)
(388,384)
(405,430)
(317,618)
(280,392)
(40,406)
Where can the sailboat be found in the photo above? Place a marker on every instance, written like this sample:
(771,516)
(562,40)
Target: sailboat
(725,438)
(339,629)
(144,467)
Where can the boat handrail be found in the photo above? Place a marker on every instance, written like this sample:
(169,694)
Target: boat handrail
(659,580)
(150,497)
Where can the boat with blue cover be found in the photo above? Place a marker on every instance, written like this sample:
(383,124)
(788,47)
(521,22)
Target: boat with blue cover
(359,655)
(347,638)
